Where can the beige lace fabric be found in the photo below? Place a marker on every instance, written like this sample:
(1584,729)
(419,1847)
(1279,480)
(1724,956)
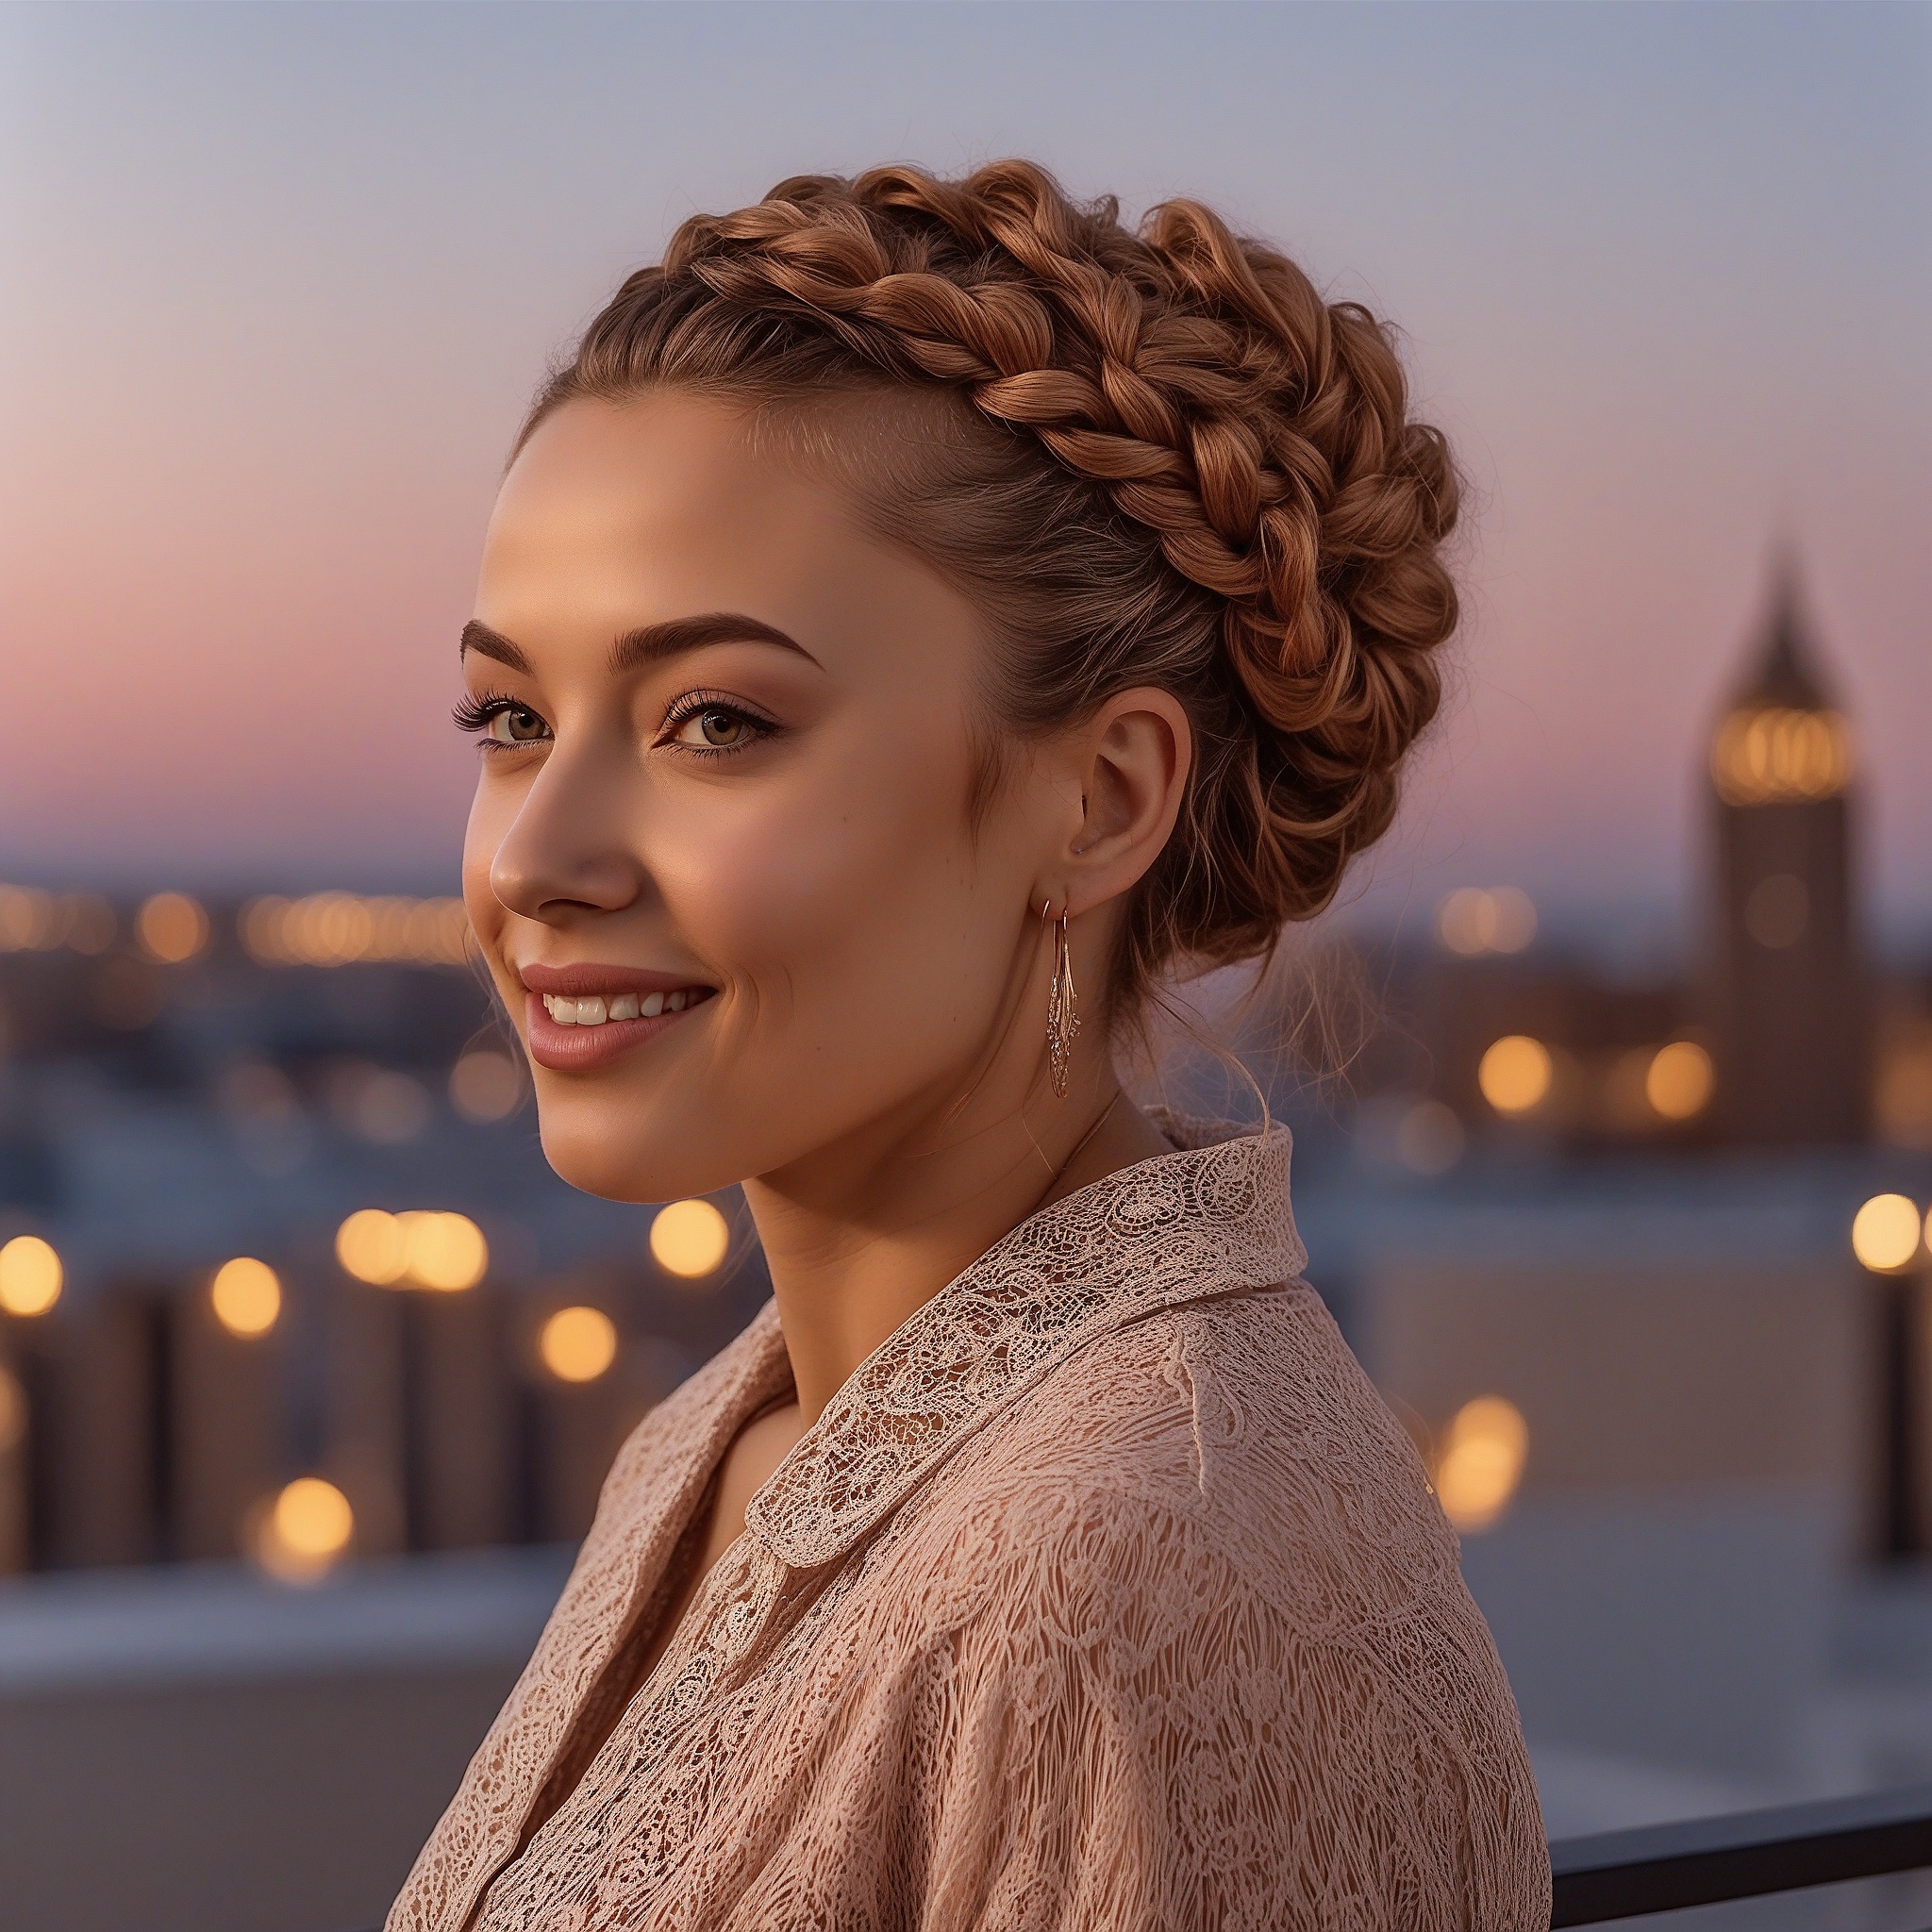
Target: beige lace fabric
(1105,1595)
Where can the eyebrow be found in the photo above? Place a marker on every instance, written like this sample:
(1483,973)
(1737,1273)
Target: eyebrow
(648,644)
(655,641)
(486,643)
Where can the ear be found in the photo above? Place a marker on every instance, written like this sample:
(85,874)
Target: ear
(1130,763)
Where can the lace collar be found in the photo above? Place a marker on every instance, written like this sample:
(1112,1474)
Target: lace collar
(1204,1221)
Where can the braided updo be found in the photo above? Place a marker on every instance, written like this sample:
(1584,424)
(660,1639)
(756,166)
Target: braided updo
(1153,458)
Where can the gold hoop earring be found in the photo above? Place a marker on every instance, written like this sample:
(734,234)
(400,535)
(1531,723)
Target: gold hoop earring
(1062,1008)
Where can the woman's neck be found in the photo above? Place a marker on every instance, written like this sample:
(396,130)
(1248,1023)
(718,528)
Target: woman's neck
(861,1236)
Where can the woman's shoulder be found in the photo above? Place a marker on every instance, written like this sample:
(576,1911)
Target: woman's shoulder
(1241,1428)
(1208,1524)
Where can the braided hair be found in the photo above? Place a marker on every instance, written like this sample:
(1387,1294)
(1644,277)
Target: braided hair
(1152,457)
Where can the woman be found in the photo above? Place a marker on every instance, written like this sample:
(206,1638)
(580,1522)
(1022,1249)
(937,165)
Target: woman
(923,617)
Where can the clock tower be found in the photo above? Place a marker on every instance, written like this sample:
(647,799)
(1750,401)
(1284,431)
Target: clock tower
(1788,993)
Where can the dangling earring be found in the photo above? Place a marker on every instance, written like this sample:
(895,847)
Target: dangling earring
(1062,1008)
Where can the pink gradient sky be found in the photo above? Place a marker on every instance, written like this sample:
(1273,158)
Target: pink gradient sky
(280,279)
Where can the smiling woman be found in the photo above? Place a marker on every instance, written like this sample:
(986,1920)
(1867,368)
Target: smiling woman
(922,618)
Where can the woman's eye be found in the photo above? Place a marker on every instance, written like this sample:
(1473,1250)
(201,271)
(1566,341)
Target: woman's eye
(514,724)
(714,729)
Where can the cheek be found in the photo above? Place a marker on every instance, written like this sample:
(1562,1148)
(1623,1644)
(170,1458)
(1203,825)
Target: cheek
(834,884)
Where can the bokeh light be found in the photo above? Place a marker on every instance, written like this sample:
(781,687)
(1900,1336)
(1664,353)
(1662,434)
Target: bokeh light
(419,1248)
(690,1239)
(371,1246)
(484,1086)
(1679,1080)
(1781,756)
(1482,1461)
(1472,920)
(577,1344)
(30,1275)
(447,1252)
(26,918)
(306,1531)
(172,928)
(1886,1232)
(1515,1075)
(33,921)
(344,930)
(246,1296)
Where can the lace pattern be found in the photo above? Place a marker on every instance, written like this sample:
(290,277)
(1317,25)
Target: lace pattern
(1142,1239)
(1106,1593)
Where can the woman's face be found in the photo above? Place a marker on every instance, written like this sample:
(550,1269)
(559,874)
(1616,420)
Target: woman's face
(721,858)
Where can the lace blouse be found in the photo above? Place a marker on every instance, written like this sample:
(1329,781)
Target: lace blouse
(1105,1595)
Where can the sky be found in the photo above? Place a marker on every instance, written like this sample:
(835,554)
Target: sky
(275,283)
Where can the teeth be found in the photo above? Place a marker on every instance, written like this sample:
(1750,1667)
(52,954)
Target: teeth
(595,1009)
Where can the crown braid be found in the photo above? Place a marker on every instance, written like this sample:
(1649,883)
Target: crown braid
(1187,469)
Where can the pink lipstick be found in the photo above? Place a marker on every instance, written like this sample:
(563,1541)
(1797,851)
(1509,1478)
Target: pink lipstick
(581,1017)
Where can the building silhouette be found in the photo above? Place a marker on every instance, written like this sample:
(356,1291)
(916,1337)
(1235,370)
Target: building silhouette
(1787,987)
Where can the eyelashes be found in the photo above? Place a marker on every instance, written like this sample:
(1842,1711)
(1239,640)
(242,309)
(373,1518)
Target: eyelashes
(694,705)
(476,714)
(501,722)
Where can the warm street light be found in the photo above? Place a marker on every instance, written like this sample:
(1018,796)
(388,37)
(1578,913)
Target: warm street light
(690,1239)
(246,1296)
(1678,1081)
(30,1275)
(172,928)
(1886,1233)
(1515,1073)
(418,1248)
(446,1250)
(578,1344)
(1481,1461)
(305,1530)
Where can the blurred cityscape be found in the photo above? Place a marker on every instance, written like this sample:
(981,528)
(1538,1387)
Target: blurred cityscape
(290,1304)
(278,1217)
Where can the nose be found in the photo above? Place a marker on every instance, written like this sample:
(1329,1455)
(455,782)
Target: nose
(565,856)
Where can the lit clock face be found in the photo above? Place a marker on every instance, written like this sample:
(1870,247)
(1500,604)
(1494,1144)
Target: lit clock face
(1778,757)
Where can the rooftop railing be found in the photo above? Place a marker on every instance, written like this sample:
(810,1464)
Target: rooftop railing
(1616,1876)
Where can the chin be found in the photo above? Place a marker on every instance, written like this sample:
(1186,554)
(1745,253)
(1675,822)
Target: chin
(626,1153)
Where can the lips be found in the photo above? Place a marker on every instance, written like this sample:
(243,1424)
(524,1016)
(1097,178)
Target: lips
(578,982)
(583,1017)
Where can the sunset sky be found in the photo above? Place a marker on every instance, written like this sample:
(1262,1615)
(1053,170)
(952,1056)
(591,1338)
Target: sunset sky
(278,281)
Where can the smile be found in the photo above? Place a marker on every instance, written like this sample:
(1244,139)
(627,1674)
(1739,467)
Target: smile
(598,1010)
(583,1017)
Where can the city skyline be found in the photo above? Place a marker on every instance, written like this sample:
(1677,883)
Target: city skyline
(289,276)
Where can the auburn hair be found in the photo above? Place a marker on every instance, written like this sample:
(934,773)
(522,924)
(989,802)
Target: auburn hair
(1152,456)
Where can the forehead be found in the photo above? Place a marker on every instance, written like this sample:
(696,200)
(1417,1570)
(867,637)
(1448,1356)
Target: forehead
(665,472)
(669,504)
